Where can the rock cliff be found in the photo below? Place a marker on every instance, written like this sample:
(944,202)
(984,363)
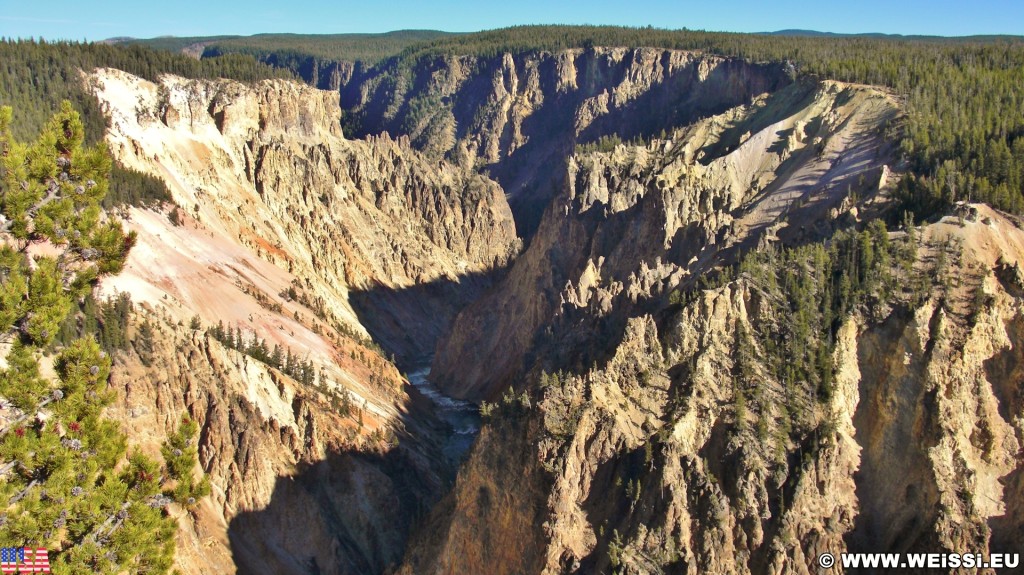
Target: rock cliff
(288,234)
(644,456)
(297,482)
(267,169)
(638,417)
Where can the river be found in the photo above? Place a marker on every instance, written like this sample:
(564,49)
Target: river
(462,417)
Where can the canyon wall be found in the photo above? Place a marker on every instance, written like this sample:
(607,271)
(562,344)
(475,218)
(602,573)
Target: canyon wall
(519,116)
(618,405)
(635,222)
(297,482)
(651,459)
(266,169)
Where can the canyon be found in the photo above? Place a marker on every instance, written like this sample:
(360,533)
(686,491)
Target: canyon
(543,229)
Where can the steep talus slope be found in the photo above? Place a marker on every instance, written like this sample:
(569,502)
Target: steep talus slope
(266,167)
(634,222)
(654,461)
(520,115)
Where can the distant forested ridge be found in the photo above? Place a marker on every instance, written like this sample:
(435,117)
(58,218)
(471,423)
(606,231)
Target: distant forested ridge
(962,136)
(324,60)
(366,48)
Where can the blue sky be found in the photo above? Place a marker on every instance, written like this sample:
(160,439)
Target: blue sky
(55,19)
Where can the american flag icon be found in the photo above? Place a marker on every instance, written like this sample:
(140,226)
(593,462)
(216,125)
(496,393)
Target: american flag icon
(24,560)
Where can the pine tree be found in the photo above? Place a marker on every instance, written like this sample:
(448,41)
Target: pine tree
(144,343)
(50,191)
(276,357)
(218,332)
(20,383)
(181,457)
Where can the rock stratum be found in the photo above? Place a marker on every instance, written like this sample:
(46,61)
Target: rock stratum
(606,353)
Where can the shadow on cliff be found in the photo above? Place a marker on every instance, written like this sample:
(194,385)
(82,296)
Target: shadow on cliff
(350,512)
(1006,370)
(407,322)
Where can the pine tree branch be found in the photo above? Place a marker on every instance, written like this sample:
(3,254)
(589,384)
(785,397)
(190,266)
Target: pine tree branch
(52,194)
(25,416)
(24,492)
(94,536)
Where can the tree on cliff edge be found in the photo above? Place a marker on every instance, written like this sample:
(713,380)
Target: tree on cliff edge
(66,483)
